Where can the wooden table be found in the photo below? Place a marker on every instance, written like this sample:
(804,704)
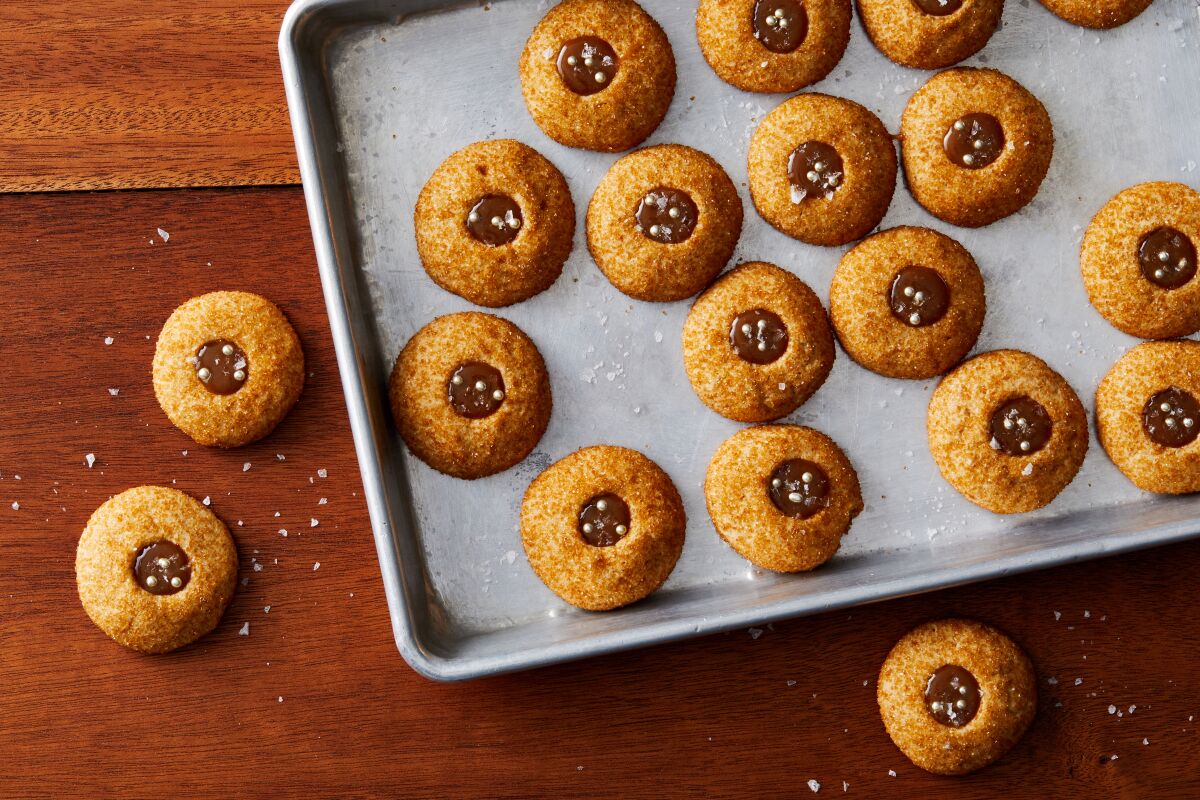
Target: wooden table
(315,701)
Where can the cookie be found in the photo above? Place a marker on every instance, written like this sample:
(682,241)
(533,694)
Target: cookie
(603,527)
(1148,416)
(976,146)
(822,169)
(494,223)
(907,302)
(1138,260)
(956,695)
(598,74)
(663,222)
(155,569)
(1007,431)
(782,496)
(1097,13)
(757,344)
(470,394)
(227,368)
(930,34)
(772,45)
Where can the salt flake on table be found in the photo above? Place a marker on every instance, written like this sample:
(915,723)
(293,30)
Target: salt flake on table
(892,772)
(323,501)
(280,457)
(16,506)
(283,531)
(322,473)
(90,458)
(114,392)
(1112,709)
(755,633)
(266,609)
(246,467)
(312,523)
(164,235)
(814,785)
(245,631)
(207,500)
(316,565)
(108,340)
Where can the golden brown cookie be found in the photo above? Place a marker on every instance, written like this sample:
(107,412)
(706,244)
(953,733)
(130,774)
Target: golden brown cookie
(930,34)
(757,344)
(956,695)
(1007,431)
(773,45)
(470,394)
(227,368)
(1097,13)
(976,146)
(494,223)
(782,496)
(1148,416)
(822,169)
(1138,260)
(155,569)
(907,302)
(603,527)
(663,222)
(598,74)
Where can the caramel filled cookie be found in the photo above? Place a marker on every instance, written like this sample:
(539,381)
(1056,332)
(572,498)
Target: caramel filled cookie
(976,146)
(772,45)
(822,169)
(782,496)
(907,302)
(757,344)
(930,34)
(1148,416)
(227,368)
(603,527)
(1138,260)
(470,394)
(598,74)
(1007,431)
(1097,13)
(956,695)
(155,569)
(494,223)
(663,222)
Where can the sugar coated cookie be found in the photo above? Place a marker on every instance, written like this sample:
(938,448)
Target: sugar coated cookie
(907,302)
(470,394)
(494,223)
(1097,13)
(1148,416)
(930,34)
(956,695)
(782,496)
(155,569)
(663,222)
(822,169)
(1139,260)
(976,146)
(1007,431)
(603,527)
(227,368)
(598,74)
(773,45)
(757,344)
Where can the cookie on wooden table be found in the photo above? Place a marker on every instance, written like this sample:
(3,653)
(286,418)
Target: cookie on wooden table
(822,169)
(1097,13)
(598,74)
(1138,260)
(603,527)
(782,496)
(155,569)
(907,302)
(757,344)
(470,394)
(1007,431)
(930,34)
(976,146)
(663,222)
(494,223)
(956,695)
(1148,416)
(227,368)
(772,45)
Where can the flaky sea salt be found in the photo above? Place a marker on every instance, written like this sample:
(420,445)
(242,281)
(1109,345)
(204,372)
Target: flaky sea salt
(312,523)
(16,506)
(90,458)
(245,631)
(246,467)
(166,237)
(114,392)
(283,532)
(207,500)
(323,501)
(814,785)
(322,473)
(316,565)
(108,340)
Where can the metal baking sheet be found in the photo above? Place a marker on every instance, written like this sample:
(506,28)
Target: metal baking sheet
(380,92)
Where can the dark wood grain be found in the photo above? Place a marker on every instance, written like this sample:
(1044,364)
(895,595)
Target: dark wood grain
(118,94)
(728,715)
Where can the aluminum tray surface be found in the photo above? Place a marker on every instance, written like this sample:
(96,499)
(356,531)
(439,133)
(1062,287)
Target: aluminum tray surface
(382,92)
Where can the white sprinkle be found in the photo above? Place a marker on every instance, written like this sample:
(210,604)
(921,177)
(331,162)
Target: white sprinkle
(812,784)
(90,458)
(316,565)
(207,500)
(246,467)
(114,392)
(322,473)
(166,237)
(245,631)
(108,340)
(312,523)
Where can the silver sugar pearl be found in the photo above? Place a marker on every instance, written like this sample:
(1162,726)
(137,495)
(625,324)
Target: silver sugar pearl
(621,529)
(498,395)
(239,375)
(602,505)
(227,349)
(795,497)
(151,581)
(176,582)
(203,373)
(480,386)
